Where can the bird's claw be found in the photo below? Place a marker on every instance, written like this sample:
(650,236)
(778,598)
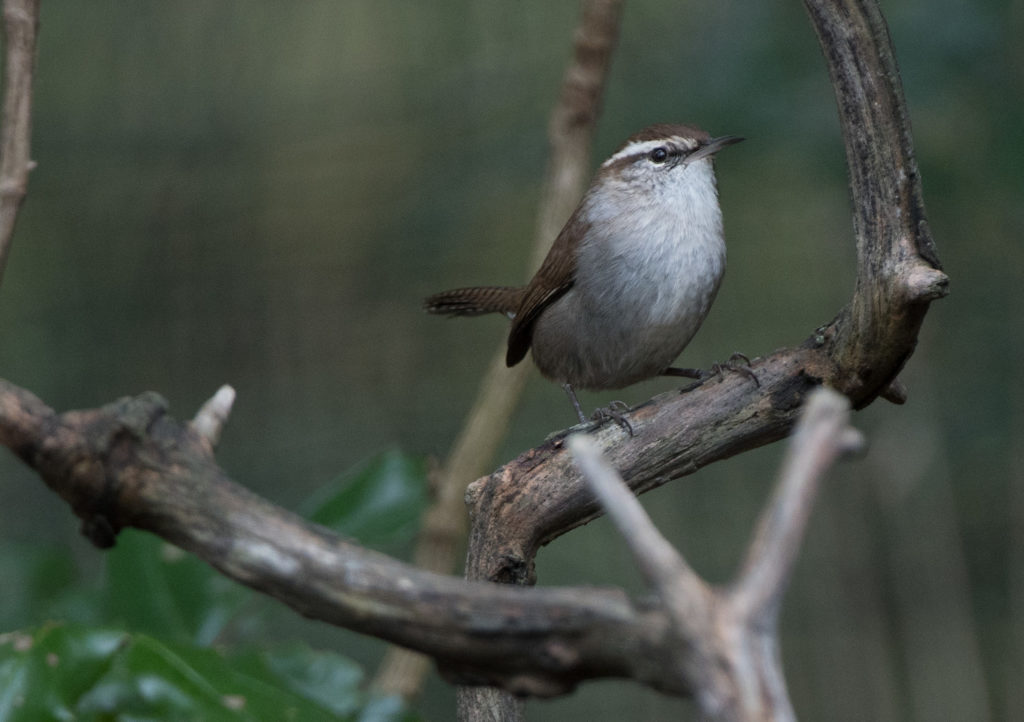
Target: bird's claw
(614,411)
(737,363)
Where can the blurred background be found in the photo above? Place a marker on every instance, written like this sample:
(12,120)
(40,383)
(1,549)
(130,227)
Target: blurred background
(261,193)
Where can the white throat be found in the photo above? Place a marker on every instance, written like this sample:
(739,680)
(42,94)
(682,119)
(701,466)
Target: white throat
(660,252)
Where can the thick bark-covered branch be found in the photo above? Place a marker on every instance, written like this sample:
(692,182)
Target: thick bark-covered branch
(130,464)
(898,270)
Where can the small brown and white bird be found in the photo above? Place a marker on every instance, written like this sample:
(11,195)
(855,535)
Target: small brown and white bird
(631,276)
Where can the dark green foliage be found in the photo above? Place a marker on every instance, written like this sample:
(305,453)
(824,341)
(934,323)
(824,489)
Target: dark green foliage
(166,637)
(378,503)
(68,671)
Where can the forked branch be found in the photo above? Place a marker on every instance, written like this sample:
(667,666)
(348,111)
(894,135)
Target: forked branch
(727,638)
(130,464)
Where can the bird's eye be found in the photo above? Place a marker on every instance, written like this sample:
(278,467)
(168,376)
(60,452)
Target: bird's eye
(658,155)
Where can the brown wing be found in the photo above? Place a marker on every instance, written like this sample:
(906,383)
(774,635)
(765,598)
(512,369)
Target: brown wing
(554,277)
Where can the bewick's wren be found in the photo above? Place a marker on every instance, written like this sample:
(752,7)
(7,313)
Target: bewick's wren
(631,276)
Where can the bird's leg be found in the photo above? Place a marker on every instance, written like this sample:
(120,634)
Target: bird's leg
(575,402)
(612,411)
(685,373)
(737,362)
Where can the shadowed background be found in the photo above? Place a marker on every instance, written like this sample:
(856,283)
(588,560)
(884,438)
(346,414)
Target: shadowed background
(261,194)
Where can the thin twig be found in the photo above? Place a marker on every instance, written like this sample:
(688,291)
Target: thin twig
(684,593)
(21,26)
(820,436)
(728,638)
(572,125)
(570,131)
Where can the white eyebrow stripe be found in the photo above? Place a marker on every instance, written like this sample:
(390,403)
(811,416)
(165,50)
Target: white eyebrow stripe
(646,146)
(636,148)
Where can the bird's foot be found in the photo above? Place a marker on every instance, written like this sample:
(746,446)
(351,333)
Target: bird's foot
(737,363)
(614,412)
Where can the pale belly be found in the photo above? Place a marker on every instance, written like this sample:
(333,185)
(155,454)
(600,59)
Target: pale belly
(609,339)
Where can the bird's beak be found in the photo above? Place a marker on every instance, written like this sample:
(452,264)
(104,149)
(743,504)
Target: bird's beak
(713,146)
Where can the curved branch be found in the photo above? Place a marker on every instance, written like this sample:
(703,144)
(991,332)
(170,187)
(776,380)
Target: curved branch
(898,270)
(540,495)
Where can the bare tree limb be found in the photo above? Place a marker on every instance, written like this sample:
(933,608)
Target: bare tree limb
(685,594)
(898,268)
(540,495)
(728,638)
(570,135)
(821,436)
(21,26)
(130,464)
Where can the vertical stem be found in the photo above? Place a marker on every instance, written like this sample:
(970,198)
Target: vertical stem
(21,26)
(570,132)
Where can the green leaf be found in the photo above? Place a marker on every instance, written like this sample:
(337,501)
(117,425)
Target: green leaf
(43,672)
(155,587)
(323,677)
(326,678)
(378,503)
(153,680)
(330,679)
(37,580)
(69,672)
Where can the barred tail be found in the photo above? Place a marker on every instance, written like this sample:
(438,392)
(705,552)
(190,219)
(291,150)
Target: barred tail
(475,301)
